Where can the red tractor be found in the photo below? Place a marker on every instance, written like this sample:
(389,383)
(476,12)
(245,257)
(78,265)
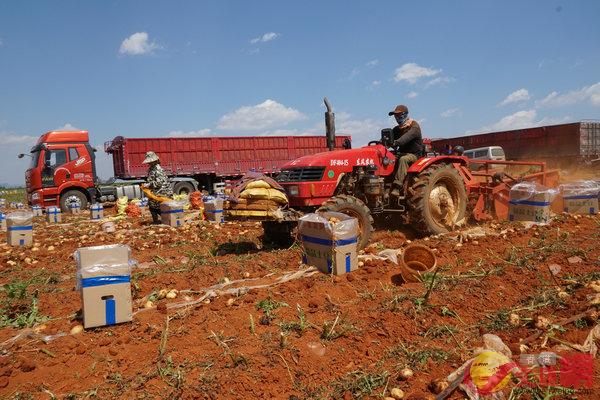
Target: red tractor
(358,182)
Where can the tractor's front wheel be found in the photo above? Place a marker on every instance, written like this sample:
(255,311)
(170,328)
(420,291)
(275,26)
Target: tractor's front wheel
(355,208)
(437,200)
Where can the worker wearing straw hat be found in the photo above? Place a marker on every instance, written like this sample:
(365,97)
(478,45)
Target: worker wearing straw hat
(158,182)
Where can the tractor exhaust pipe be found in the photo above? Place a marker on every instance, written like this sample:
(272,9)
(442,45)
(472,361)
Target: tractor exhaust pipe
(329,125)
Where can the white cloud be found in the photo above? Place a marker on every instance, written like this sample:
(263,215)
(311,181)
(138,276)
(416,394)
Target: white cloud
(516,96)
(267,37)
(412,72)
(520,119)
(374,85)
(138,44)
(199,133)
(372,63)
(589,94)
(266,115)
(523,119)
(7,138)
(353,73)
(411,95)
(362,130)
(451,112)
(440,80)
(67,127)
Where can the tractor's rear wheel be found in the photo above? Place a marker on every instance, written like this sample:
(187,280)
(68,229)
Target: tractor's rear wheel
(437,200)
(355,208)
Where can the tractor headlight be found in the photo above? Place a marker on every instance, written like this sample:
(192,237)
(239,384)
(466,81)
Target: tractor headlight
(35,196)
(292,190)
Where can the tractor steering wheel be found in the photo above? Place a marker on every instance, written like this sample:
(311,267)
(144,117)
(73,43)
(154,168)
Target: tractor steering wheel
(372,142)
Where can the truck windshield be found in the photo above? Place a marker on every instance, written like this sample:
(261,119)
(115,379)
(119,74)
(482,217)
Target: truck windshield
(35,157)
(497,152)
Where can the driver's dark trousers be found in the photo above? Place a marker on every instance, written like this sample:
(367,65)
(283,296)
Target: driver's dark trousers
(403,164)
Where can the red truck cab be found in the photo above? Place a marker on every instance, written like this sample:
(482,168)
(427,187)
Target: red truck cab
(62,170)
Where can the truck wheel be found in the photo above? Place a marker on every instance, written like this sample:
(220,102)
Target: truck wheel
(353,207)
(72,197)
(183,188)
(438,200)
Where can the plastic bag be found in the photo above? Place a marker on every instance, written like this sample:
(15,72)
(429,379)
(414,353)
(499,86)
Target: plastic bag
(335,224)
(133,210)
(258,184)
(121,205)
(183,198)
(530,190)
(580,188)
(264,194)
(196,202)
(487,375)
(107,260)
(19,218)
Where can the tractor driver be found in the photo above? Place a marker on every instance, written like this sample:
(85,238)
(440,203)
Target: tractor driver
(407,142)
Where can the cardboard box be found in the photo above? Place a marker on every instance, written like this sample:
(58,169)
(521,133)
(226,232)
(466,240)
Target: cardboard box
(580,198)
(525,206)
(331,247)
(54,215)
(213,210)
(2,222)
(74,208)
(582,204)
(171,213)
(19,227)
(96,211)
(37,211)
(103,277)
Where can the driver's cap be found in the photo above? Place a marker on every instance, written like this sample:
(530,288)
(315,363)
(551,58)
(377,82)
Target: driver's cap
(400,109)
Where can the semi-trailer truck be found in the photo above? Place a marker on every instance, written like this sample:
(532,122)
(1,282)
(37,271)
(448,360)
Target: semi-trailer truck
(63,168)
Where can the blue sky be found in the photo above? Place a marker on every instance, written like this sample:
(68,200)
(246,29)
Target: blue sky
(147,68)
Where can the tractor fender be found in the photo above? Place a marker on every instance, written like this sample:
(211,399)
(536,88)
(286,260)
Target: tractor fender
(425,162)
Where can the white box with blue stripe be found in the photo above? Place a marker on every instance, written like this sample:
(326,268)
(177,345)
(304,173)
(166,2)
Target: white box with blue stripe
(330,242)
(103,277)
(96,211)
(171,213)
(19,225)
(2,222)
(580,197)
(54,215)
(531,202)
(213,209)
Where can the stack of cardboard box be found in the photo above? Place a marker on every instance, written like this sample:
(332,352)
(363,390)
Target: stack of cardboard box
(330,242)
(103,277)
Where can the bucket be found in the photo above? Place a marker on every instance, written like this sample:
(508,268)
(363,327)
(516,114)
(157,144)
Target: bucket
(108,227)
(415,261)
